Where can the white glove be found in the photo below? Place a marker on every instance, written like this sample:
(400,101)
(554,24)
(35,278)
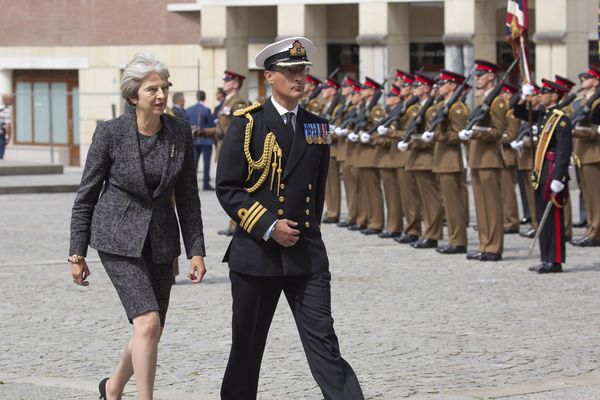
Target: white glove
(402,146)
(527,90)
(465,134)
(517,145)
(365,137)
(598,130)
(332,128)
(556,186)
(534,129)
(427,136)
(383,130)
(353,137)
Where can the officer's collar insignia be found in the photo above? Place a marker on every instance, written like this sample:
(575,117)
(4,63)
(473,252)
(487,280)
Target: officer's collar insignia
(317,133)
(297,50)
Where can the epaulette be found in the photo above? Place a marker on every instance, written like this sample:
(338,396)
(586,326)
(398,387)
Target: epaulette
(239,105)
(247,110)
(595,103)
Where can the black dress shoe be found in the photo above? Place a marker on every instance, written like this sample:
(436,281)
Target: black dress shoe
(508,231)
(485,256)
(586,242)
(387,235)
(451,249)
(370,231)
(226,232)
(529,233)
(581,224)
(524,221)
(547,268)
(330,220)
(102,389)
(406,239)
(425,244)
(344,224)
(356,227)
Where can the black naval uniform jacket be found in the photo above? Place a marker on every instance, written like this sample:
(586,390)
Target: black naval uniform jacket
(561,144)
(300,198)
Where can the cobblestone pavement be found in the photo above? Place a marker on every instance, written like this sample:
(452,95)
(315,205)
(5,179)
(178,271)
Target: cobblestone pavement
(413,323)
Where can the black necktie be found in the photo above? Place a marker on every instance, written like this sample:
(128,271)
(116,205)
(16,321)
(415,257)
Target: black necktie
(289,123)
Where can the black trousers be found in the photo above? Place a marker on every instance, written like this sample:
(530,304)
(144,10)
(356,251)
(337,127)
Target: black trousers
(552,235)
(254,302)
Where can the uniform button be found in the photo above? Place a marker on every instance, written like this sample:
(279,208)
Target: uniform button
(282,186)
(310,186)
(307,212)
(307,199)
(307,225)
(280,212)
(281,199)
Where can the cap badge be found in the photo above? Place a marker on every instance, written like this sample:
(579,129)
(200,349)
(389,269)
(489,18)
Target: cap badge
(297,50)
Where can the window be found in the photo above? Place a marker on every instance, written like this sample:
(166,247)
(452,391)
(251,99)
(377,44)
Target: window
(47,103)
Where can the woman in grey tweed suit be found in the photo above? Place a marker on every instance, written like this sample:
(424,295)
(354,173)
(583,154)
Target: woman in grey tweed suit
(124,210)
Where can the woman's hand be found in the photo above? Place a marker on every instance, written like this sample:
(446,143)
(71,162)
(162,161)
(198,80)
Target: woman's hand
(80,272)
(197,269)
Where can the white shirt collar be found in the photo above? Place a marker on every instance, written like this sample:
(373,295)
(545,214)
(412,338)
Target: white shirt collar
(282,110)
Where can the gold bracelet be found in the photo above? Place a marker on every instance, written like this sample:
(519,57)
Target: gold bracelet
(75,258)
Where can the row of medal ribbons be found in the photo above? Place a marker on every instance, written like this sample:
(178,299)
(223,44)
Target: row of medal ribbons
(317,133)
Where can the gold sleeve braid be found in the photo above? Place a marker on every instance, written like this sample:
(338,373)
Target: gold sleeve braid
(271,155)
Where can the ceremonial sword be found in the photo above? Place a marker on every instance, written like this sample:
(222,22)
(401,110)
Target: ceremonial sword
(541,225)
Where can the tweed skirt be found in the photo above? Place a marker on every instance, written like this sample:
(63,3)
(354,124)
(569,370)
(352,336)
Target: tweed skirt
(141,284)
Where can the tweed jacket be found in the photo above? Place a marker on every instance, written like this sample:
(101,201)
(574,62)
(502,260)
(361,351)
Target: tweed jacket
(114,211)
(298,194)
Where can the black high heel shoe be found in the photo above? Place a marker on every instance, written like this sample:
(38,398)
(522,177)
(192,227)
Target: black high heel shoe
(102,389)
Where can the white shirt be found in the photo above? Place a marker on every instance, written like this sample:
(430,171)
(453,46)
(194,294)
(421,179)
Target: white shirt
(282,111)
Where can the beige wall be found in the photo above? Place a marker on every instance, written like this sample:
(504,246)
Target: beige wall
(94,23)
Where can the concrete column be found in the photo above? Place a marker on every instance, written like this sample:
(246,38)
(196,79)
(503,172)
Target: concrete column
(398,37)
(373,19)
(6,81)
(310,22)
(561,38)
(224,33)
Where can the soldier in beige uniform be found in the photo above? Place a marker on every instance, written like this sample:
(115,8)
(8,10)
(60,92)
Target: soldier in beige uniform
(311,84)
(409,193)
(333,190)
(486,163)
(524,149)
(587,150)
(448,164)
(508,176)
(357,215)
(369,188)
(387,171)
(232,83)
(420,163)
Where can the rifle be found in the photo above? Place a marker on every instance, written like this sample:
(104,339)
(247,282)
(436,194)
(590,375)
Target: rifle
(481,111)
(442,113)
(334,102)
(416,123)
(353,116)
(395,113)
(317,90)
(582,113)
(363,118)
